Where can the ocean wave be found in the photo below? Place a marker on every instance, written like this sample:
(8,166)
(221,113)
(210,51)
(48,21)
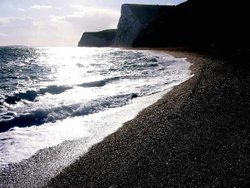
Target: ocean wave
(49,95)
(54,89)
(40,116)
(28,95)
(99,83)
(31,95)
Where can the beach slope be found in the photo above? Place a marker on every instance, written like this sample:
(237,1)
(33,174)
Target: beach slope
(198,135)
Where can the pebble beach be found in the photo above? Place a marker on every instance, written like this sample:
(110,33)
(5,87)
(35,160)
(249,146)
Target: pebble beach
(195,136)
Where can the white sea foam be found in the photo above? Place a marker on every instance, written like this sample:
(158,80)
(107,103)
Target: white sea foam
(86,96)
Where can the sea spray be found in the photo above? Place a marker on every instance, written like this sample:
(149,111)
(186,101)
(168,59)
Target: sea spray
(52,95)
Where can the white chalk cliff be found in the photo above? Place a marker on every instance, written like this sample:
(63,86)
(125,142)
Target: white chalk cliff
(135,18)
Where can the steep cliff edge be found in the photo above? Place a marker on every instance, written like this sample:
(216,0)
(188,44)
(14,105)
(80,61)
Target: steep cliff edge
(220,25)
(97,39)
(134,18)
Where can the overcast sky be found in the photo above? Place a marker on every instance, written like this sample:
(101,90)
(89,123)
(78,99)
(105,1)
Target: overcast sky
(58,22)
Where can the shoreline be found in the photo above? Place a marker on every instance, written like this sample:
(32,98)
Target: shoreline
(18,170)
(196,135)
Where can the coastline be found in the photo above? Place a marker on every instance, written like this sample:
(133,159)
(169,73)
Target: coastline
(76,117)
(46,160)
(196,135)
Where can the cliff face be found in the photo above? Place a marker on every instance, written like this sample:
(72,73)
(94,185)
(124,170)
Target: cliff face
(208,24)
(202,24)
(97,39)
(135,18)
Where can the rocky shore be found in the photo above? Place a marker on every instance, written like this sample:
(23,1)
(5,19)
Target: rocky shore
(195,136)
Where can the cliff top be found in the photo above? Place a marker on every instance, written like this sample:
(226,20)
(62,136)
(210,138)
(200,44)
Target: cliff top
(145,13)
(107,34)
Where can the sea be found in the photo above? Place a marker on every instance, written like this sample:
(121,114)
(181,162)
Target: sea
(55,96)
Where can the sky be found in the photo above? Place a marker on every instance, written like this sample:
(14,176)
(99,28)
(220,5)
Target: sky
(59,22)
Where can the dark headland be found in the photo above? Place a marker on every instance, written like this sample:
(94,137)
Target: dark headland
(198,135)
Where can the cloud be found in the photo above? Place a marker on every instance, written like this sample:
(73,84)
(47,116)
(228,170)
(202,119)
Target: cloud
(3,35)
(80,20)
(87,14)
(41,7)
(20,9)
(78,7)
(67,18)
(4,21)
(8,20)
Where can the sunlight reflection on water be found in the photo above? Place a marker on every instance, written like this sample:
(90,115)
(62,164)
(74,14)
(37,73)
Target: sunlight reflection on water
(50,95)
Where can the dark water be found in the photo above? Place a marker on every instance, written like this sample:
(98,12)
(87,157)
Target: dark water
(49,95)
